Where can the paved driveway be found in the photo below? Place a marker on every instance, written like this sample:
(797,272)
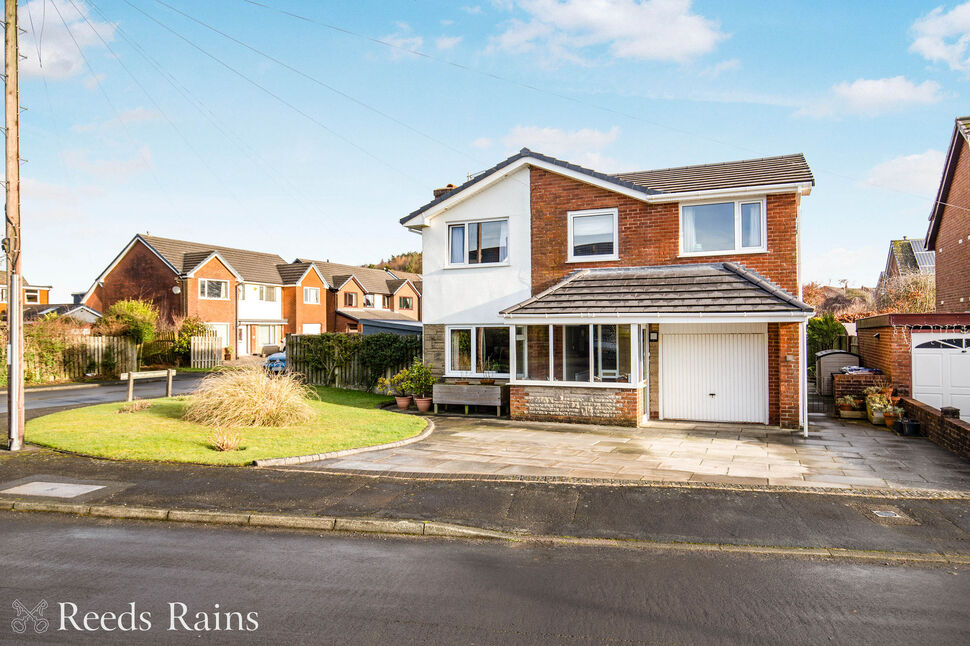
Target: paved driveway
(837,453)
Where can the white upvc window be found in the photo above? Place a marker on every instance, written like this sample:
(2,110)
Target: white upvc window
(31,296)
(476,350)
(725,227)
(368,300)
(593,235)
(484,242)
(311,295)
(578,354)
(3,294)
(268,293)
(217,290)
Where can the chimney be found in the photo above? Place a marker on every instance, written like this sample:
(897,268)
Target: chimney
(438,192)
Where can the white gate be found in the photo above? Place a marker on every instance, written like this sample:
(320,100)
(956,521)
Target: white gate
(714,373)
(206,351)
(941,370)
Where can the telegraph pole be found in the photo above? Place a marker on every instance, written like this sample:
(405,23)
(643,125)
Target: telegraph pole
(11,243)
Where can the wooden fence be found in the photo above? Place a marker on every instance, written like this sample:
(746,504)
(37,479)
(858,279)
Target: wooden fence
(353,375)
(81,356)
(205,351)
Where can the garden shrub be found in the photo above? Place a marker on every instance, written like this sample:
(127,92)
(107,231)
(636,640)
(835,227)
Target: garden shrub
(131,318)
(250,397)
(823,332)
(330,352)
(385,351)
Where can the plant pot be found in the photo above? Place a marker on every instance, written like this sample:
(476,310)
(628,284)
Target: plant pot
(423,403)
(907,427)
(875,416)
(487,382)
(403,403)
(889,420)
(888,392)
(852,414)
(461,382)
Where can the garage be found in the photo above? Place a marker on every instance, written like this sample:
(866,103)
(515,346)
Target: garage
(714,373)
(941,370)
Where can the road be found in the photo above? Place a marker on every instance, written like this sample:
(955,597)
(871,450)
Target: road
(369,590)
(69,397)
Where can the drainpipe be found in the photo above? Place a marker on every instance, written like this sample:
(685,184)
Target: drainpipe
(802,376)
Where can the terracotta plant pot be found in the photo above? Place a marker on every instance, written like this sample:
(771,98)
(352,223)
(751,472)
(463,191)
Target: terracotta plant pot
(403,402)
(487,382)
(461,382)
(889,419)
(423,403)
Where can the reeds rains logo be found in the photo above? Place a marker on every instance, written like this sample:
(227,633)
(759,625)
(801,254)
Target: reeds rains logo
(27,616)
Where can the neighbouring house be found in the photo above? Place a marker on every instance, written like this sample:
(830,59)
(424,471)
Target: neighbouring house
(949,230)
(664,294)
(906,256)
(81,313)
(32,294)
(372,295)
(250,299)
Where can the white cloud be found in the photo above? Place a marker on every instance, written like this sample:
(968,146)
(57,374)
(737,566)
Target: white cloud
(919,173)
(717,69)
(47,202)
(482,143)
(472,10)
(49,49)
(944,36)
(109,169)
(584,146)
(636,29)
(135,115)
(859,265)
(447,42)
(872,97)
(403,39)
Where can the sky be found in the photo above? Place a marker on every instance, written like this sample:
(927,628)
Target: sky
(310,128)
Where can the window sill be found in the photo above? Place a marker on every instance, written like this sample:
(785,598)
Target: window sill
(206,298)
(703,254)
(467,375)
(483,265)
(593,259)
(576,384)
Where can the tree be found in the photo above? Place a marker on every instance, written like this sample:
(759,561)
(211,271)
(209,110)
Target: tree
(912,292)
(823,332)
(133,319)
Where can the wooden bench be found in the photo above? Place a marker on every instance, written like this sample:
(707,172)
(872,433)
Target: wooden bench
(130,377)
(471,395)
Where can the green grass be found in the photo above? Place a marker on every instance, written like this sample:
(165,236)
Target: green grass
(345,419)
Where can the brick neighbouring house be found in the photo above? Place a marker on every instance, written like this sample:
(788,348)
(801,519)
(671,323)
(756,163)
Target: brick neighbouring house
(949,229)
(906,256)
(32,294)
(668,294)
(249,298)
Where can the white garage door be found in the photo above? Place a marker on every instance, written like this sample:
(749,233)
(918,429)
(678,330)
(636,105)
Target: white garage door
(941,371)
(714,373)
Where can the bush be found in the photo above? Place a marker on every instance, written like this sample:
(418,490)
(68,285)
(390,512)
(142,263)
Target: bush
(385,351)
(395,385)
(911,292)
(419,381)
(133,319)
(250,397)
(823,332)
(225,439)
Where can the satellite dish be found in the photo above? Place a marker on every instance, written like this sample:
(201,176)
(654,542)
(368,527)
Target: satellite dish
(176,290)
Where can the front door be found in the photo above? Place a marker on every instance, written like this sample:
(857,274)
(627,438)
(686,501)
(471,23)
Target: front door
(242,340)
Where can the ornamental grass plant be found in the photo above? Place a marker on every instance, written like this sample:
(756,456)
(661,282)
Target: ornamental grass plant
(250,397)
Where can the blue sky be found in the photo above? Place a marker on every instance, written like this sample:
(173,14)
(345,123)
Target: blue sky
(142,131)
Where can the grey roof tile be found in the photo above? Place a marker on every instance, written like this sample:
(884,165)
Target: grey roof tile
(184,255)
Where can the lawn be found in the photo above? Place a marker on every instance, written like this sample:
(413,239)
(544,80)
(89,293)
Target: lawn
(345,419)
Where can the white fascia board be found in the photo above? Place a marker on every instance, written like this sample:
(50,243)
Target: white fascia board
(313,267)
(407,281)
(658,317)
(114,263)
(353,278)
(802,188)
(216,254)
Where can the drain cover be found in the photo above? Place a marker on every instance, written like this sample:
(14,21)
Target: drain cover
(885,513)
(52,489)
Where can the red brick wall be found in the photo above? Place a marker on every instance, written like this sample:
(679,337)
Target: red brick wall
(853,384)
(343,324)
(648,232)
(296,312)
(617,407)
(215,311)
(950,433)
(891,353)
(142,275)
(783,379)
(352,288)
(952,256)
(406,291)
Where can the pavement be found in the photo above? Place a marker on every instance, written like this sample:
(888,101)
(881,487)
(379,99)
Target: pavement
(922,523)
(841,454)
(377,590)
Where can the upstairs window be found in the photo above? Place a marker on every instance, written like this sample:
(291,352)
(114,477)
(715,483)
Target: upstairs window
(478,243)
(350,299)
(593,235)
(214,289)
(311,295)
(723,227)
(386,301)
(368,300)
(31,296)
(267,293)
(405,303)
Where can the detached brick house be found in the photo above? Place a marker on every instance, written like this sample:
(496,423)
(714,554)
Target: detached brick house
(32,294)
(250,299)
(906,256)
(949,230)
(667,294)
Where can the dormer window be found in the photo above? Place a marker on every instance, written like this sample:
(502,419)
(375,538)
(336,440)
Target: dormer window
(368,300)
(722,228)
(478,243)
(593,235)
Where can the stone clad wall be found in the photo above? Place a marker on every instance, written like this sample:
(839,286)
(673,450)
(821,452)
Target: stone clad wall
(434,348)
(619,406)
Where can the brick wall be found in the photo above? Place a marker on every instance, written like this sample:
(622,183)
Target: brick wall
(784,399)
(891,353)
(212,310)
(950,433)
(296,312)
(853,384)
(352,288)
(140,274)
(408,292)
(953,240)
(654,368)
(618,407)
(648,232)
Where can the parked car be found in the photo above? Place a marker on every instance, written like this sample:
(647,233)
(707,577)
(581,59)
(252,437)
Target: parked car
(276,362)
